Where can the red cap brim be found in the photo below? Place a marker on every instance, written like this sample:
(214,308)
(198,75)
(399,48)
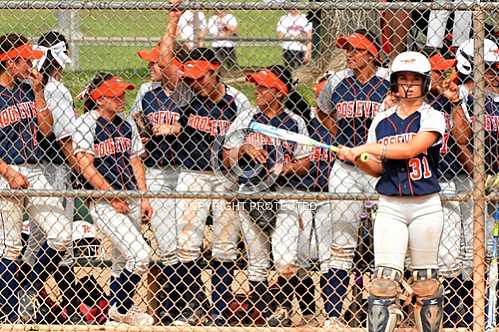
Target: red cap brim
(268,79)
(196,69)
(113,87)
(358,41)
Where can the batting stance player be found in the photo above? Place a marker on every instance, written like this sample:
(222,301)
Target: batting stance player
(349,102)
(207,117)
(23,113)
(262,150)
(404,144)
(108,147)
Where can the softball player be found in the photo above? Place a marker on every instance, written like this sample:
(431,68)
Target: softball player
(404,144)
(350,100)
(108,148)
(444,97)
(207,117)
(23,113)
(271,89)
(464,57)
(57,149)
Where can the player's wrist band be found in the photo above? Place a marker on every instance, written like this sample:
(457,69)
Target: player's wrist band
(457,103)
(383,151)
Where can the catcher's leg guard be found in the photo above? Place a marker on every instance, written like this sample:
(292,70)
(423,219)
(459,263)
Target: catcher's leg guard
(384,311)
(428,290)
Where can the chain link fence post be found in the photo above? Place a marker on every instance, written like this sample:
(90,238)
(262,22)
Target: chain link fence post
(479,292)
(69,24)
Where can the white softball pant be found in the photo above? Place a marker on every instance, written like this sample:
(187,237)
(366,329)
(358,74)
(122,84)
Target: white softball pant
(59,177)
(345,215)
(463,184)
(289,241)
(449,252)
(164,219)
(129,248)
(438,22)
(408,223)
(46,212)
(192,215)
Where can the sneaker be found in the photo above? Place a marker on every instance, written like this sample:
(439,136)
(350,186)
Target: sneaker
(28,305)
(310,320)
(280,318)
(132,317)
(192,314)
(334,323)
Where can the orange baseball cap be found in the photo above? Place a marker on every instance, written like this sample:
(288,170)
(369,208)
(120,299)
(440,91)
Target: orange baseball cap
(113,87)
(268,79)
(358,41)
(24,51)
(152,55)
(196,69)
(438,62)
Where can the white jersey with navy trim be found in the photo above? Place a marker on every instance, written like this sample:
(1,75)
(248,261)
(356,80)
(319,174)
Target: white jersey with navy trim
(417,176)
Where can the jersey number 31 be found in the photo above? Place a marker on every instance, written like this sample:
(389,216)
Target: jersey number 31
(419,169)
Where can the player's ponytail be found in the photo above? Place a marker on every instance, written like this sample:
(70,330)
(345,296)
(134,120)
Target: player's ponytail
(50,64)
(88,103)
(294,101)
(9,42)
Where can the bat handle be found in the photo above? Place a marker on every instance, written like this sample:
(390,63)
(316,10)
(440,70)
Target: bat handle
(364,157)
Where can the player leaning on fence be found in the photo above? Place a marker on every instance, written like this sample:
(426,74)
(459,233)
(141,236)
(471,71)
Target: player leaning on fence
(108,148)
(206,119)
(267,158)
(23,113)
(404,142)
(348,103)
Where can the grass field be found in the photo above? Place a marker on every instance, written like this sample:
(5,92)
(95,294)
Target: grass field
(123,59)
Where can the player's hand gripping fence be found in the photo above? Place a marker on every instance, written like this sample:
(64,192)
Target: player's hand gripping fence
(287,135)
(493,277)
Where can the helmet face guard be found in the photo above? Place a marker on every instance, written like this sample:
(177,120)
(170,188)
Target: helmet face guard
(425,87)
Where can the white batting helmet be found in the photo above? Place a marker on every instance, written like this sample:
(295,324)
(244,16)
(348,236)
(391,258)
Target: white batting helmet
(465,53)
(413,62)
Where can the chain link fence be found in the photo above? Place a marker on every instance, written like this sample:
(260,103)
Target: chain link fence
(175,164)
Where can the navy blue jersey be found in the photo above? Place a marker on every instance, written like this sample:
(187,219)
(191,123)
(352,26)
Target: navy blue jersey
(159,108)
(113,143)
(203,122)
(449,165)
(278,151)
(321,160)
(18,125)
(353,104)
(417,176)
(491,127)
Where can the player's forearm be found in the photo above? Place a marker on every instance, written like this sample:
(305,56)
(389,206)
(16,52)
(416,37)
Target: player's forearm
(167,42)
(328,121)
(371,167)
(43,115)
(465,157)
(230,157)
(5,169)
(299,167)
(139,173)
(461,130)
(90,173)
